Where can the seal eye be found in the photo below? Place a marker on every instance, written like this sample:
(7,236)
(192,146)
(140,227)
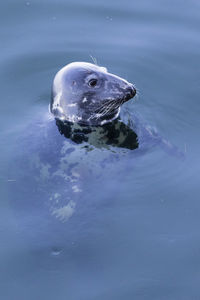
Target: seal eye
(92,82)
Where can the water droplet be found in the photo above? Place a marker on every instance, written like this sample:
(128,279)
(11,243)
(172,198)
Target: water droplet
(55,251)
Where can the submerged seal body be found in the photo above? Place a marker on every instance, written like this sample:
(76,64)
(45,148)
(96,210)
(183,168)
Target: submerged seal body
(56,178)
(87,94)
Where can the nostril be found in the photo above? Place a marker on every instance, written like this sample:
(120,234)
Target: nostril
(131,91)
(134,91)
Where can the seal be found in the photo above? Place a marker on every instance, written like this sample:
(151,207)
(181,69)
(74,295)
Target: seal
(88,94)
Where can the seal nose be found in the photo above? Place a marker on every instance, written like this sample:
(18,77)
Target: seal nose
(130,92)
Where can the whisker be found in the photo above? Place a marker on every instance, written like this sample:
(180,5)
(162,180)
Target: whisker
(106,110)
(98,110)
(108,107)
(113,107)
(94,60)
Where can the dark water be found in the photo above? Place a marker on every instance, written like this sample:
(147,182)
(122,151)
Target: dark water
(135,232)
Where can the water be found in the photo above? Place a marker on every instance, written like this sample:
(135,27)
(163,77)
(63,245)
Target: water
(135,231)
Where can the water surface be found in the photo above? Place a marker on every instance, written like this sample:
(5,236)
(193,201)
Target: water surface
(135,233)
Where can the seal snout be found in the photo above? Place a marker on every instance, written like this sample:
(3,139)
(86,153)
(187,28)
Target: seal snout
(130,92)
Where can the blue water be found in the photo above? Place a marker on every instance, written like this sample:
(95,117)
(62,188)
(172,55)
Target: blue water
(135,231)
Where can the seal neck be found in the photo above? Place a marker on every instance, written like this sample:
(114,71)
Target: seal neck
(116,134)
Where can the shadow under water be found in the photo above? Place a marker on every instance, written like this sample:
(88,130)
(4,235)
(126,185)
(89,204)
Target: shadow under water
(116,134)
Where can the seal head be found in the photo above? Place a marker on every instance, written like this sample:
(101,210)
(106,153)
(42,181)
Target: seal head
(87,94)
